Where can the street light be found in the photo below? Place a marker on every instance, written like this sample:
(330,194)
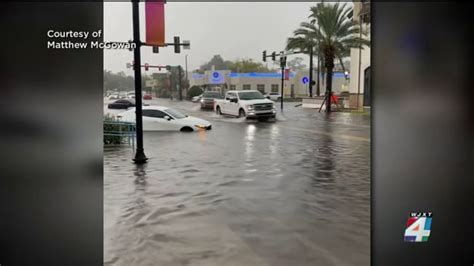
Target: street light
(140,157)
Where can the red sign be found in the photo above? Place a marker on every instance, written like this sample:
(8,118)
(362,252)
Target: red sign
(287,74)
(155,22)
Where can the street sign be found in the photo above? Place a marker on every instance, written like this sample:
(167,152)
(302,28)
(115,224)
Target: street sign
(305,80)
(186,45)
(216,77)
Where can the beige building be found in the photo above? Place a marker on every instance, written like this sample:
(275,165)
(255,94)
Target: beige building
(359,86)
(296,85)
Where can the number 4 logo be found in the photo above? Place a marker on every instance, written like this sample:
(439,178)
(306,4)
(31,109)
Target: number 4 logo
(418,229)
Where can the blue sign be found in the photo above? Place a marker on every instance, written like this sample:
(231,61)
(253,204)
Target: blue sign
(305,80)
(216,77)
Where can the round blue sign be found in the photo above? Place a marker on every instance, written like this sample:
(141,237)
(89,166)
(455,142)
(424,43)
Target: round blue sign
(305,80)
(215,74)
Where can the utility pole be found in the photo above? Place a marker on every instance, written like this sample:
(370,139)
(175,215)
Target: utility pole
(318,86)
(282,65)
(360,62)
(311,71)
(180,84)
(171,85)
(140,157)
(186,66)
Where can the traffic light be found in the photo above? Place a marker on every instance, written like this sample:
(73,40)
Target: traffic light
(147,66)
(264,56)
(156,49)
(177,48)
(274,56)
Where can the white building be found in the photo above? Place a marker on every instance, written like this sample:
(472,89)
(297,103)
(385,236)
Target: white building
(295,86)
(359,86)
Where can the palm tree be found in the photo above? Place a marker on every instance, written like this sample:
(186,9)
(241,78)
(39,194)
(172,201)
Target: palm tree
(336,35)
(304,42)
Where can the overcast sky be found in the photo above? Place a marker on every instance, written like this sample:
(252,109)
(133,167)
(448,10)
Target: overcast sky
(233,30)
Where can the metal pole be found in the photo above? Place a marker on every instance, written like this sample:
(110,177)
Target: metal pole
(187,80)
(282,85)
(282,63)
(311,71)
(171,85)
(140,157)
(318,86)
(180,84)
(360,62)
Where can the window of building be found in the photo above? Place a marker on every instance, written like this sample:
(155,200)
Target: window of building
(232,87)
(261,88)
(246,87)
(275,88)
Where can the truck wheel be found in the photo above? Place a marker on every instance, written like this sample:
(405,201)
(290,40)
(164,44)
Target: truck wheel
(218,110)
(241,113)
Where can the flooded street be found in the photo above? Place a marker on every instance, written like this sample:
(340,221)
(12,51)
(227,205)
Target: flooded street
(295,191)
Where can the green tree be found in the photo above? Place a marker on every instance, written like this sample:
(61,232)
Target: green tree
(296,63)
(247,65)
(331,33)
(194,91)
(217,61)
(336,34)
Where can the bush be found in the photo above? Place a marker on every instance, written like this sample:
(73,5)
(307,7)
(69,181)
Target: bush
(111,128)
(194,91)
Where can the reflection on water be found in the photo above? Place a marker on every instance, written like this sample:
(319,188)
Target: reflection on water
(242,194)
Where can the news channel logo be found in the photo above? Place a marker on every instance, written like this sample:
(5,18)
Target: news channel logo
(418,227)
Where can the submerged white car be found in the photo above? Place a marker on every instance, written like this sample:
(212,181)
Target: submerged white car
(159,118)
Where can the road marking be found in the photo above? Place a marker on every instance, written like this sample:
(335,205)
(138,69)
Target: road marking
(342,136)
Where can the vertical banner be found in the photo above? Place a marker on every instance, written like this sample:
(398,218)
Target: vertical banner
(155,22)
(287,74)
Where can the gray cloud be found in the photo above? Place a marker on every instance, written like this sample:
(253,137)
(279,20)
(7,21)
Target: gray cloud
(233,30)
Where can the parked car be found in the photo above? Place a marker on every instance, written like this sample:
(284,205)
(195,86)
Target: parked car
(131,95)
(122,104)
(208,97)
(274,96)
(247,103)
(159,118)
(114,96)
(196,99)
(147,97)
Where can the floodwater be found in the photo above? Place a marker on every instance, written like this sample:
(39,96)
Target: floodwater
(291,192)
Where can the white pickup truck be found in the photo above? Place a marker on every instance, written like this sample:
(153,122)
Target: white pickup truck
(246,103)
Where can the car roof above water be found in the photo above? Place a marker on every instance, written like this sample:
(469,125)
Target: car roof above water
(153,107)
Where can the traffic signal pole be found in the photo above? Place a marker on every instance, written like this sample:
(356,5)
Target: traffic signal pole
(282,56)
(282,65)
(140,157)
(311,71)
(180,89)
